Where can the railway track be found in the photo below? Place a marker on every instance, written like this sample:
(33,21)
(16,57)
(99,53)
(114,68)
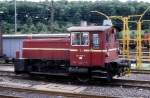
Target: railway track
(55,94)
(116,82)
(132,59)
(6,64)
(51,93)
(140,71)
(8,73)
(6,96)
(131,83)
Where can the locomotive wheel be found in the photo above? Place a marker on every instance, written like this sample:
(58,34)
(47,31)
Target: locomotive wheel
(83,78)
(109,77)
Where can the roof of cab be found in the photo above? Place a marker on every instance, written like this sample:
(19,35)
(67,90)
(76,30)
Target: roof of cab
(88,28)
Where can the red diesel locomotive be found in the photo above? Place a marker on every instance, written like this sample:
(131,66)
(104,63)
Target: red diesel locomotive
(88,51)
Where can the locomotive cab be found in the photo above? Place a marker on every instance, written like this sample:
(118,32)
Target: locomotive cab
(95,48)
(92,46)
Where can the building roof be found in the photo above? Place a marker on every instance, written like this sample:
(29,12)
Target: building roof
(88,28)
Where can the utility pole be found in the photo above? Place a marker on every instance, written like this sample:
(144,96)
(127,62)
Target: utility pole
(1,34)
(52,16)
(15,16)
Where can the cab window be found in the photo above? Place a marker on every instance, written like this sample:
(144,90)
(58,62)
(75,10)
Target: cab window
(96,41)
(80,38)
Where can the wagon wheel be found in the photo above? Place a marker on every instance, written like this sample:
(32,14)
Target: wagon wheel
(83,78)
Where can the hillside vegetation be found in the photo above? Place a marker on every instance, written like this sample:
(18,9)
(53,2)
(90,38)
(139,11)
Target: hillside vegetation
(42,17)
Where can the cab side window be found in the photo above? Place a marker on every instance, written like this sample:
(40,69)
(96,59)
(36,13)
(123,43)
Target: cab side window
(96,41)
(75,38)
(84,39)
(80,38)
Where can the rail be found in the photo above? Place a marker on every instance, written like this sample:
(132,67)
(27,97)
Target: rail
(54,93)
(7,96)
(140,71)
(131,83)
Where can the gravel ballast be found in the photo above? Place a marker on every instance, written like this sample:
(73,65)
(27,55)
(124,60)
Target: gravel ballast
(102,90)
(118,91)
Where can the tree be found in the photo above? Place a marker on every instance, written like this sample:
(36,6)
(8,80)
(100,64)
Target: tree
(50,16)
(41,27)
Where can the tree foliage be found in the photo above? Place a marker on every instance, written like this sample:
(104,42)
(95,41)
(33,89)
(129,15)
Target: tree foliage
(35,17)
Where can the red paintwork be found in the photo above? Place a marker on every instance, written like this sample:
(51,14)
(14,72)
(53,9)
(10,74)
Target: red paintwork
(112,44)
(74,56)
(38,44)
(90,58)
(98,58)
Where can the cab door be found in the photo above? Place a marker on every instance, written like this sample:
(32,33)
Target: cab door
(79,50)
(97,49)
